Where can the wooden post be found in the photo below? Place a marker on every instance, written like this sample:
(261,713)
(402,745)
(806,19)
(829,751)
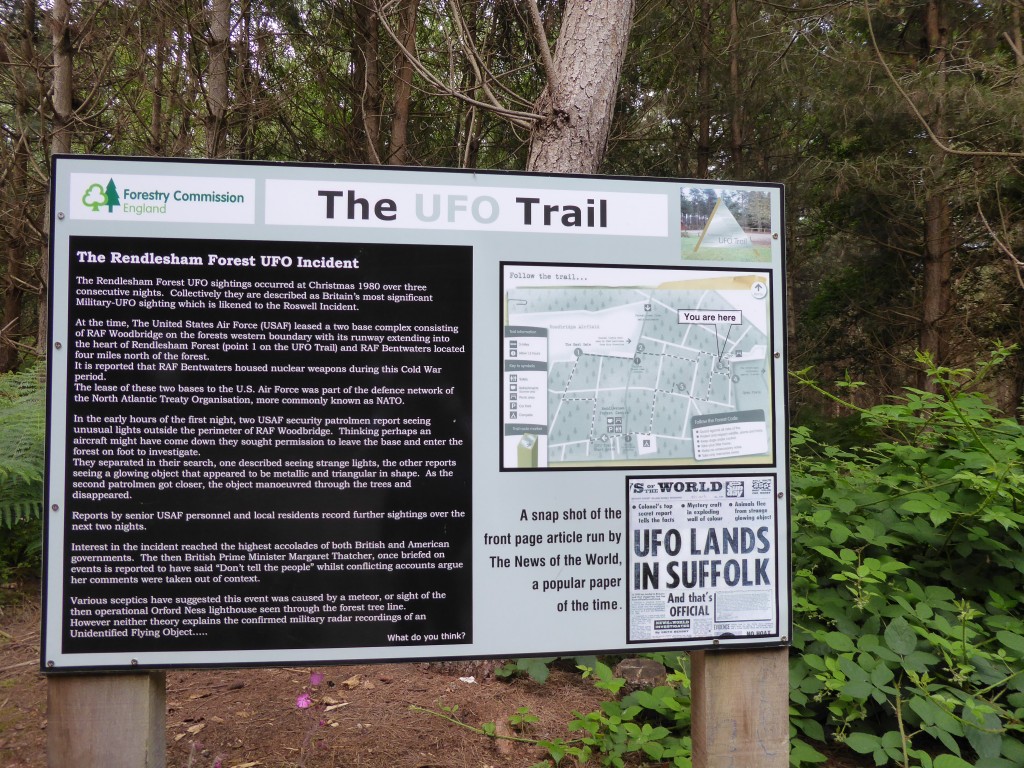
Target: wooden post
(740,708)
(106,720)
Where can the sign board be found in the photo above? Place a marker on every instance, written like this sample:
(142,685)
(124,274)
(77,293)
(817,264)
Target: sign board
(310,414)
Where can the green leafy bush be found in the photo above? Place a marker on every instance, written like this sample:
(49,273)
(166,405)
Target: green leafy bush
(645,725)
(651,724)
(908,566)
(537,669)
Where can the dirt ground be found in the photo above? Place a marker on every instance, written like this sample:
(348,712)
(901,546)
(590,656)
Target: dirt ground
(359,716)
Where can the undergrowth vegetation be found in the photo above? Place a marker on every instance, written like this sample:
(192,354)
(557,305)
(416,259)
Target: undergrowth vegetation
(22,434)
(908,562)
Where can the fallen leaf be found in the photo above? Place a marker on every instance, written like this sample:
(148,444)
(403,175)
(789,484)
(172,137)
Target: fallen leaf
(196,728)
(352,682)
(246,765)
(217,719)
(179,736)
(335,706)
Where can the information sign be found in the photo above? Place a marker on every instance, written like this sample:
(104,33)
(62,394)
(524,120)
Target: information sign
(309,414)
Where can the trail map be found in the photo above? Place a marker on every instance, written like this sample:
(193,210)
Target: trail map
(635,366)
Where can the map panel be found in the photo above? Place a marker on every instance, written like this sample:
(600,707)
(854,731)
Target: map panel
(609,365)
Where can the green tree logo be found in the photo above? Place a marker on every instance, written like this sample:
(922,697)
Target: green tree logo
(112,196)
(96,196)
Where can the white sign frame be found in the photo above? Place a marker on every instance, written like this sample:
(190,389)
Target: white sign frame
(545,566)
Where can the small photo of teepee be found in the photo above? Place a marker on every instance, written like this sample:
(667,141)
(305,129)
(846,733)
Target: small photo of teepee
(725,225)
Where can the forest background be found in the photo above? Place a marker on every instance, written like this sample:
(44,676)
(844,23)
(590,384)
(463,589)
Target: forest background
(898,129)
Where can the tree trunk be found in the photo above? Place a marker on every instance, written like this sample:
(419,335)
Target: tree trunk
(704,92)
(578,102)
(399,144)
(62,108)
(11,321)
(469,144)
(1014,37)
(156,120)
(217,79)
(183,89)
(936,296)
(366,73)
(60,143)
(938,270)
(245,88)
(736,143)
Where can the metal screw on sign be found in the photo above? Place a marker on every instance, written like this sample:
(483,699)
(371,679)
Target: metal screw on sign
(775,236)
(55,507)
(135,662)
(56,345)
(61,215)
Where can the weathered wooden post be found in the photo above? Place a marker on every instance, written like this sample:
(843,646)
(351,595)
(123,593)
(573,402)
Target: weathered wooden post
(106,720)
(740,703)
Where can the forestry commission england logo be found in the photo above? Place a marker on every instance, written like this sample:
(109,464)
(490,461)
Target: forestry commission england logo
(161,198)
(99,196)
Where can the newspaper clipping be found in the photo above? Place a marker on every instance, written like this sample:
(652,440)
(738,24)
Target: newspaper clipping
(702,557)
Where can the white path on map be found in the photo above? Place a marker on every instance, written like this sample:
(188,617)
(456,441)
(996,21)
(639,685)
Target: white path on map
(626,375)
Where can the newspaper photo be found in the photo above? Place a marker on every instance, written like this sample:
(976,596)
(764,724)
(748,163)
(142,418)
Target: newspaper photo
(703,557)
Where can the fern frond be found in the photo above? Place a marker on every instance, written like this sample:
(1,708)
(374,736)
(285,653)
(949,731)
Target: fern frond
(22,440)
(18,502)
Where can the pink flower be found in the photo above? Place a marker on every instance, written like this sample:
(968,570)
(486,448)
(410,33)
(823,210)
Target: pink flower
(315,678)
(303,702)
